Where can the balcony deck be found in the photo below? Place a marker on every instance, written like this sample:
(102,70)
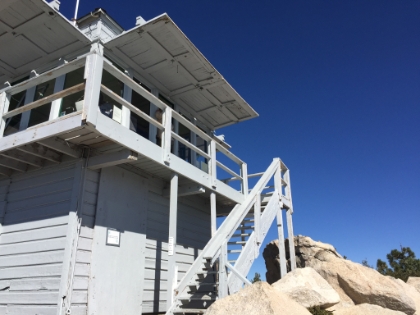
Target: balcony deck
(106,142)
(66,137)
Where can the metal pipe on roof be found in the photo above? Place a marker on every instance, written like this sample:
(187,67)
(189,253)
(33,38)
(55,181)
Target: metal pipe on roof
(75,12)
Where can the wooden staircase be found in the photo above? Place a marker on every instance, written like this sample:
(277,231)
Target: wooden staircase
(222,266)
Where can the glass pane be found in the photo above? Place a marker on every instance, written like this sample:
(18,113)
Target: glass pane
(42,114)
(12,124)
(138,124)
(68,103)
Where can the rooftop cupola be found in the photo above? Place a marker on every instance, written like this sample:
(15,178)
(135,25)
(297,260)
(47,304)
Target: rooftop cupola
(99,25)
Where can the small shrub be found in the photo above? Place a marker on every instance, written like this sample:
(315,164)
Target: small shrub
(316,310)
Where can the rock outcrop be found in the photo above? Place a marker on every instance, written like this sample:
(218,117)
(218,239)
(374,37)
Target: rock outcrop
(415,282)
(354,283)
(259,298)
(308,288)
(366,309)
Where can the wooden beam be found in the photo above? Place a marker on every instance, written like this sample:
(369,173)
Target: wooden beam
(62,147)
(112,159)
(5,171)
(40,151)
(23,157)
(280,228)
(213,224)
(15,165)
(186,190)
(291,237)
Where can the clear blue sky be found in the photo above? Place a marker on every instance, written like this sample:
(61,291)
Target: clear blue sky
(337,87)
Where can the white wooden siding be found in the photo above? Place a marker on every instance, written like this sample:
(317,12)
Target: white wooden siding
(33,239)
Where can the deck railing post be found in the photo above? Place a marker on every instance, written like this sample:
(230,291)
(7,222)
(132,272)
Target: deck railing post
(212,163)
(29,98)
(194,143)
(176,130)
(173,213)
(167,135)
(244,175)
(223,284)
(127,95)
(93,77)
(153,108)
(280,229)
(4,107)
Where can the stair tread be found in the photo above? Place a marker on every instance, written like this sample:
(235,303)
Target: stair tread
(197,298)
(189,310)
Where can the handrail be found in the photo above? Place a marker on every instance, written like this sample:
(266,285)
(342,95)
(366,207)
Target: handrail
(131,107)
(228,227)
(228,170)
(190,145)
(48,75)
(45,100)
(156,101)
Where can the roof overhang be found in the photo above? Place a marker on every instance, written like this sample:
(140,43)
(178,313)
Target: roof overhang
(33,34)
(160,52)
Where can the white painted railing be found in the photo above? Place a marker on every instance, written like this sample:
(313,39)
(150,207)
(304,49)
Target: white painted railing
(94,65)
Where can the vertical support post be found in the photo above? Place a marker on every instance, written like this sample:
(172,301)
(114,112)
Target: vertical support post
(55,105)
(290,224)
(194,143)
(29,98)
(173,213)
(257,217)
(223,284)
(213,213)
(291,239)
(167,134)
(127,94)
(4,107)
(212,163)
(282,250)
(176,130)
(244,175)
(93,77)
(153,109)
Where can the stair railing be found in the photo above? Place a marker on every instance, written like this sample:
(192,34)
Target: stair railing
(216,248)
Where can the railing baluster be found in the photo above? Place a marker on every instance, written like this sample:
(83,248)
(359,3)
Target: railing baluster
(167,135)
(127,95)
(55,105)
(212,163)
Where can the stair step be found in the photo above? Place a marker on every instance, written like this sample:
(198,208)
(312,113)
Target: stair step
(237,243)
(234,251)
(241,235)
(189,310)
(247,227)
(206,272)
(203,297)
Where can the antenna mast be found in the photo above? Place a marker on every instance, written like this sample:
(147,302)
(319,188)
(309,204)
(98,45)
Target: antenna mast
(75,13)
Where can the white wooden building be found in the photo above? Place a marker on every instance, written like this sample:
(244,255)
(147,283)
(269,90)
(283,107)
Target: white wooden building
(111,175)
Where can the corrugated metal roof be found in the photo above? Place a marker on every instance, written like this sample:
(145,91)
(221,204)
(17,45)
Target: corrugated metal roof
(160,52)
(33,34)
